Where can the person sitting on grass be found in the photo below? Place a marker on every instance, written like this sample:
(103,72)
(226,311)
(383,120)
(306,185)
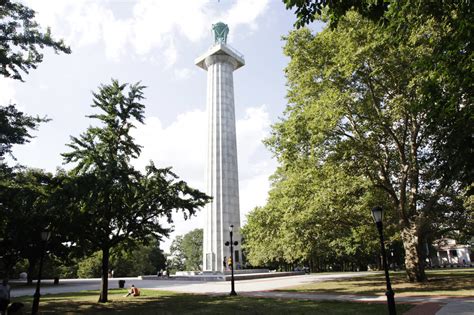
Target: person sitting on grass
(134,291)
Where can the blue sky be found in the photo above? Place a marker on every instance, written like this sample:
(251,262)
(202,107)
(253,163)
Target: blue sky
(156,42)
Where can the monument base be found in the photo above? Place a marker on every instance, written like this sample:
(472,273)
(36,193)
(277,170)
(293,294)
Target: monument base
(244,274)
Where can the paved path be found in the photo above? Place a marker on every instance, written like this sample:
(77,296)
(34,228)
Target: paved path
(185,286)
(261,288)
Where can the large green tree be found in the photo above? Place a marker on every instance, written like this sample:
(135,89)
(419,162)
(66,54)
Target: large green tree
(130,262)
(192,249)
(315,216)
(119,204)
(381,11)
(378,106)
(139,260)
(186,251)
(175,259)
(26,209)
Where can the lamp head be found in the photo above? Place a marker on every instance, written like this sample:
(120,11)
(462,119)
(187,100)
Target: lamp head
(45,235)
(377,214)
(231,228)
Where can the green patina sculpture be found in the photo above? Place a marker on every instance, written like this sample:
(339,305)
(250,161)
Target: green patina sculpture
(220,32)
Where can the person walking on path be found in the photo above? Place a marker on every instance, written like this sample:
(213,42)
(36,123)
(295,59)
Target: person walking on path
(4,296)
(229,262)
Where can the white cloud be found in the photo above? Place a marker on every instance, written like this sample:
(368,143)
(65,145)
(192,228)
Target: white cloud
(245,12)
(7,92)
(170,54)
(183,145)
(255,164)
(254,190)
(182,73)
(116,33)
(159,31)
(151,25)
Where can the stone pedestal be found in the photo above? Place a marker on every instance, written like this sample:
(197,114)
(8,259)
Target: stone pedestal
(222,171)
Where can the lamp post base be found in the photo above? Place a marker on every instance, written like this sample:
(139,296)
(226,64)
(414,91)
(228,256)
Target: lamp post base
(232,293)
(391,302)
(35,307)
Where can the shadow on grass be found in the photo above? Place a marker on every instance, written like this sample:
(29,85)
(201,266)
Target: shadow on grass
(442,282)
(158,302)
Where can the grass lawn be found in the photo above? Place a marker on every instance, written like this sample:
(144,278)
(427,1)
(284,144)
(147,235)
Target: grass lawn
(450,282)
(163,302)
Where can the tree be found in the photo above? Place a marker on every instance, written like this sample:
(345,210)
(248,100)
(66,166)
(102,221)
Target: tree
(383,11)
(192,249)
(376,106)
(176,260)
(307,11)
(21,39)
(187,251)
(124,205)
(90,266)
(15,128)
(137,261)
(315,216)
(20,42)
(25,201)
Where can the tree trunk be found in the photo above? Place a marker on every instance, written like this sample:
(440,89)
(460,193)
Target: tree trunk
(31,268)
(414,265)
(105,275)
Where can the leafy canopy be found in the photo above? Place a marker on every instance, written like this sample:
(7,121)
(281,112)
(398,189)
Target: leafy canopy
(21,40)
(124,204)
(15,128)
(387,103)
(187,251)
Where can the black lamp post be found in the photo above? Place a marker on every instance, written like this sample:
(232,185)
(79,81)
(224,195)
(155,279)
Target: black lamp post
(45,235)
(377,214)
(231,244)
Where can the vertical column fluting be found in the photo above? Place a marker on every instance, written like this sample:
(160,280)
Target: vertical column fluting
(222,169)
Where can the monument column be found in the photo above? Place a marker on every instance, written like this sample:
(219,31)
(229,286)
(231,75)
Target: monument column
(220,61)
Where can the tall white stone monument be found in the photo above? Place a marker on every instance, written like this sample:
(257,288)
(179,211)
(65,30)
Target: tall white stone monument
(220,61)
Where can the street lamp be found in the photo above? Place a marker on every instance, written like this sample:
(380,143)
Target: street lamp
(377,214)
(231,244)
(45,235)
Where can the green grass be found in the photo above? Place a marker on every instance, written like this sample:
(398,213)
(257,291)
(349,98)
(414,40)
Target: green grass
(163,302)
(452,282)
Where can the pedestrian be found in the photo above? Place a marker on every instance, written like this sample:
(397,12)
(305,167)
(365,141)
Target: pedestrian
(4,296)
(224,262)
(134,291)
(229,262)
